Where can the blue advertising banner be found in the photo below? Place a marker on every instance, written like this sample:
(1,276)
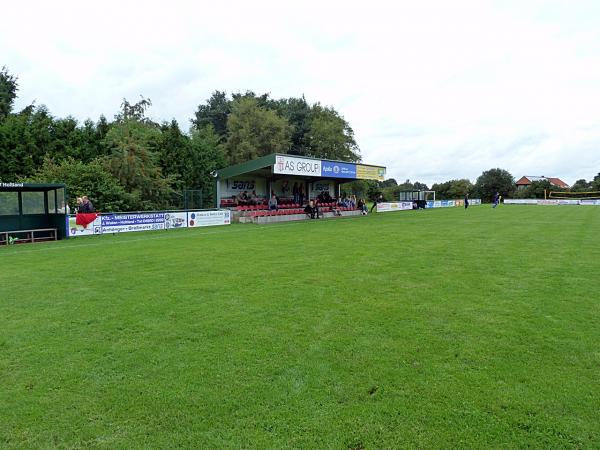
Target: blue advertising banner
(126,222)
(338,169)
(118,223)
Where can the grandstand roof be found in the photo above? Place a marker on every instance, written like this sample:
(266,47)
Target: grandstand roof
(284,165)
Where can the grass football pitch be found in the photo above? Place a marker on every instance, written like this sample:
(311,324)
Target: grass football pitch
(423,329)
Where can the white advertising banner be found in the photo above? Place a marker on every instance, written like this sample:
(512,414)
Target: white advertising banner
(394,206)
(520,201)
(129,222)
(535,201)
(176,220)
(208,218)
(288,165)
(79,230)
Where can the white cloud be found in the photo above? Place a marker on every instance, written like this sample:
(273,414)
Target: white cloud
(433,89)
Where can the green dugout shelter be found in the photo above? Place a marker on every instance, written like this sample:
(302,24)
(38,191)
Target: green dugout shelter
(277,173)
(32,212)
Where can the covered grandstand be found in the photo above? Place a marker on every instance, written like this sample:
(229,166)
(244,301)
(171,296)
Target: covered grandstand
(278,174)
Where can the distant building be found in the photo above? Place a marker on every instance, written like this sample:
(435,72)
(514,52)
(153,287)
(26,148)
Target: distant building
(526,180)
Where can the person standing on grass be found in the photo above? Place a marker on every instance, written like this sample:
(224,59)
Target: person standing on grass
(379,199)
(466,200)
(496,199)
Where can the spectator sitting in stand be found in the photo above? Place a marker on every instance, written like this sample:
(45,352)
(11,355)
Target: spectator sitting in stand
(273,203)
(312,210)
(254,200)
(353,201)
(242,198)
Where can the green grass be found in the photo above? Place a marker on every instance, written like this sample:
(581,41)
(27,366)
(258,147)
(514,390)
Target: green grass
(425,329)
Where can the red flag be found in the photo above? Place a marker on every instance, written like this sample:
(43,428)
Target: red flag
(84,219)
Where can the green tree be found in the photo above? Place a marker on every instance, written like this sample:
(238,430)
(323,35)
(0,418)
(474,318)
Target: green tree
(596,183)
(581,186)
(90,179)
(254,131)
(16,159)
(214,113)
(297,112)
(329,136)
(8,92)
(133,162)
(206,156)
(390,182)
(492,181)
(135,112)
(453,189)
(174,153)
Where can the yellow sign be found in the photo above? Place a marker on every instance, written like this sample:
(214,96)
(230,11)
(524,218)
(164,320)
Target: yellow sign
(370,172)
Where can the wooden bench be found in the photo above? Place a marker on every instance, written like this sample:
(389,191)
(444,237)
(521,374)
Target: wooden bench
(50,234)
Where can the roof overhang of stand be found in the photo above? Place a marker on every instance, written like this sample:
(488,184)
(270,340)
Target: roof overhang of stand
(29,187)
(278,165)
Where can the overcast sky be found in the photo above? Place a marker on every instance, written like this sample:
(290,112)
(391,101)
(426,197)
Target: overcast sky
(434,90)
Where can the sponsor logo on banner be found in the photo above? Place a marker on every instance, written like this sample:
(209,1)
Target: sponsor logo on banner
(547,202)
(394,206)
(176,220)
(80,230)
(122,223)
(338,170)
(242,185)
(288,165)
(370,172)
(208,218)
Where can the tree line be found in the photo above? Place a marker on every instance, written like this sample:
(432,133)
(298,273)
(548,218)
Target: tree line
(133,163)
(486,185)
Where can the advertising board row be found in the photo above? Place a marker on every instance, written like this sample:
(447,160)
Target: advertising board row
(130,222)
(452,203)
(404,206)
(394,206)
(289,165)
(535,201)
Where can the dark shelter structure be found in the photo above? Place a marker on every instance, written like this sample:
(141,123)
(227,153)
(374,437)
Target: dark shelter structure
(32,212)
